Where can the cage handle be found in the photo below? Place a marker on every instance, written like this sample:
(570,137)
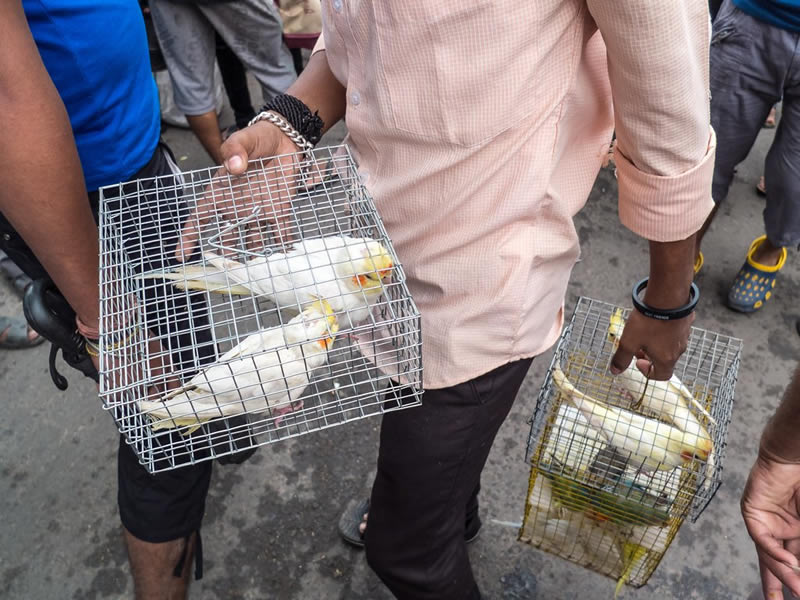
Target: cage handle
(214,242)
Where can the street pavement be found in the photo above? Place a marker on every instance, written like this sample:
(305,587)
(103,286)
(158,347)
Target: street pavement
(270,526)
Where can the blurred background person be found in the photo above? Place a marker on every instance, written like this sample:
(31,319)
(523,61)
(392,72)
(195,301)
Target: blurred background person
(186,29)
(755,63)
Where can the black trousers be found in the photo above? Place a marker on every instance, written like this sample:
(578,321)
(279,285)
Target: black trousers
(429,470)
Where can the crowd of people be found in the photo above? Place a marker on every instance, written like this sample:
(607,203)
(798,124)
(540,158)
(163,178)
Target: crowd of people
(444,116)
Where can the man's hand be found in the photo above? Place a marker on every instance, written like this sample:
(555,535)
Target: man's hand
(232,200)
(771,510)
(126,365)
(657,344)
(233,193)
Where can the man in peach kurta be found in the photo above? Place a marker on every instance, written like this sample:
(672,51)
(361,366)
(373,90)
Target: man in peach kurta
(479,128)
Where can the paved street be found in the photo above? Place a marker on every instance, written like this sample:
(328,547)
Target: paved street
(270,527)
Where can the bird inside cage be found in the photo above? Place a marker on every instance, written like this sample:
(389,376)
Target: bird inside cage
(268,371)
(349,273)
(614,476)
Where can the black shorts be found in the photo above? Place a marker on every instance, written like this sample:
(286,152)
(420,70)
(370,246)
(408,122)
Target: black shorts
(168,505)
(161,507)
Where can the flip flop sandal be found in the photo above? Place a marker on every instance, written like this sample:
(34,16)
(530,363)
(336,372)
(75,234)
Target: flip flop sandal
(754,282)
(350,521)
(15,333)
(352,518)
(15,276)
(761,187)
(698,262)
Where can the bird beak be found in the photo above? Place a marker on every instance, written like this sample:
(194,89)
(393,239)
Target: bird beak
(326,343)
(379,270)
(333,323)
(386,272)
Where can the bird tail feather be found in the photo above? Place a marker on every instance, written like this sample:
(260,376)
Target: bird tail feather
(194,277)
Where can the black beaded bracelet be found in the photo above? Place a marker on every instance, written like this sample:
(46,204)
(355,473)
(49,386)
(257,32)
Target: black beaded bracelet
(299,116)
(671,314)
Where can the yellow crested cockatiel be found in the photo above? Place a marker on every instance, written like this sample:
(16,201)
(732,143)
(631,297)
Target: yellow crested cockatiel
(267,370)
(350,273)
(652,444)
(667,399)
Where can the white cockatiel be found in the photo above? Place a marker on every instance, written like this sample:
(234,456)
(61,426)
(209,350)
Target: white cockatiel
(669,400)
(350,273)
(267,370)
(652,444)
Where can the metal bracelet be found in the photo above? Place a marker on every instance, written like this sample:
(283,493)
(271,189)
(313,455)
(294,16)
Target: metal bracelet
(671,314)
(302,143)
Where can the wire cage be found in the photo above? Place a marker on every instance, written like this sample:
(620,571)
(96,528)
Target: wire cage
(291,313)
(618,463)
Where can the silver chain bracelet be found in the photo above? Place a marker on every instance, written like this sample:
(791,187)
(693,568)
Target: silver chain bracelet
(302,143)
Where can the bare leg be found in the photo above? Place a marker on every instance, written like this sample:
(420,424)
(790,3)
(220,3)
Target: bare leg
(153,565)
(206,128)
(699,239)
(767,254)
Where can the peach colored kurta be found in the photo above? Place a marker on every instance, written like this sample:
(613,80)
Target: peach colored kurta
(479,128)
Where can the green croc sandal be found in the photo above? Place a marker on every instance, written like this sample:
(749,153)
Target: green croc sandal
(754,282)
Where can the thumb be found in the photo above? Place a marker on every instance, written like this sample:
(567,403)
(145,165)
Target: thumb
(256,141)
(236,151)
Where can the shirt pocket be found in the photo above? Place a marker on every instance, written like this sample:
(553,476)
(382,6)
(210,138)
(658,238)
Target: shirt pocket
(460,72)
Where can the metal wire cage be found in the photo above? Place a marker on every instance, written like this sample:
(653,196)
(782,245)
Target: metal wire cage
(290,315)
(618,463)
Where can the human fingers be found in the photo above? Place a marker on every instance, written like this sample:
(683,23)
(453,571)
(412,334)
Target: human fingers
(662,342)
(256,141)
(214,194)
(775,575)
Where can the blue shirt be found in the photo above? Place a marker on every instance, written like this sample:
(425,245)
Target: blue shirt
(97,55)
(781,13)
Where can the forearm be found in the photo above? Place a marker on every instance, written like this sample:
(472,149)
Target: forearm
(781,438)
(42,191)
(320,90)
(671,273)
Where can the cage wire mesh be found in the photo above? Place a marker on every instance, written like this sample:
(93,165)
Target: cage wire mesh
(618,463)
(290,315)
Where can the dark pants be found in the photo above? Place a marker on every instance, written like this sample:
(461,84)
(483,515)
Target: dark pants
(234,78)
(429,470)
(713,7)
(753,66)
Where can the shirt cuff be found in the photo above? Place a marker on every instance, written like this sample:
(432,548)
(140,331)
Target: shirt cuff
(320,45)
(665,208)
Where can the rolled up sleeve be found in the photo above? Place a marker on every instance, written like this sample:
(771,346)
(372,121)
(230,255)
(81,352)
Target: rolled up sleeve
(658,69)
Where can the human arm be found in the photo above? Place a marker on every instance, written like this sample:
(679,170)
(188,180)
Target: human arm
(317,88)
(42,191)
(771,500)
(658,69)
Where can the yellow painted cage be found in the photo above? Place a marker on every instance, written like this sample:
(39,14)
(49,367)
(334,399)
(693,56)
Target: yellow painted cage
(619,463)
